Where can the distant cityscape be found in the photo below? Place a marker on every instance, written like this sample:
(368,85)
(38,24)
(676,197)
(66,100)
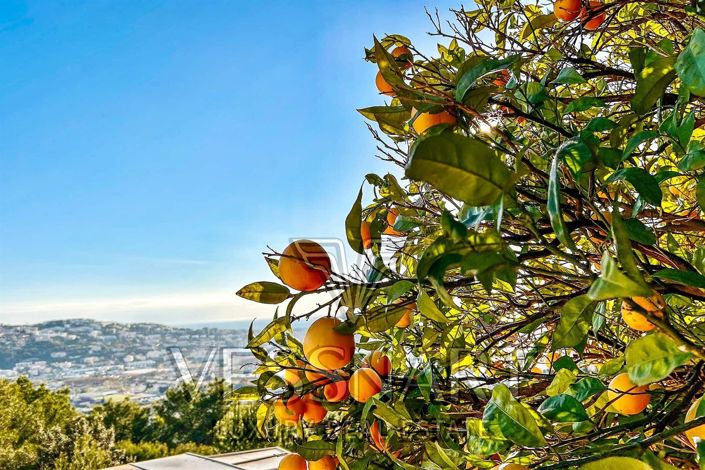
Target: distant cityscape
(97,361)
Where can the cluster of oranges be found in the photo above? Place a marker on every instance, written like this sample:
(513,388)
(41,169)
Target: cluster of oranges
(591,16)
(305,265)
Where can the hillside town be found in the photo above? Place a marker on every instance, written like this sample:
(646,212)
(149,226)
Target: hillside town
(104,360)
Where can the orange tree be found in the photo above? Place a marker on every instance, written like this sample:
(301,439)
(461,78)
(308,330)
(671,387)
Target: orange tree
(532,290)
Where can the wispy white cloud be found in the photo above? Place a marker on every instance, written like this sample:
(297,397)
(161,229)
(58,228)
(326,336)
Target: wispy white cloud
(196,307)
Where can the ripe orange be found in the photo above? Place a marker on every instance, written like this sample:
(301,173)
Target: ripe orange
(293,375)
(503,79)
(318,379)
(392,215)
(593,16)
(382,85)
(326,348)
(288,413)
(292,462)
(326,463)
(314,412)
(336,392)
(566,10)
(510,466)
(628,398)
(304,266)
(377,439)
(379,362)
(698,433)
(425,121)
(634,319)
(403,56)
(364,384)
(653,303)
(366,235)
(405,319)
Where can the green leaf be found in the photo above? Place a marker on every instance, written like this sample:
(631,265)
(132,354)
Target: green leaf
(583,104)
(428,308)
(587,387)
(616,463)
(462,167)
(575,322)
(380,318)
(480,67)
(390,415)
(600,124)
(651,83)
(391,119)
(691,64)
(646,184)
(653,357)
(561,382)
(613,283)
(536,24)
(688,278)
(425,382)
(563,409)
(270,331)
(639,232)
(353,222)
(480,442)
(694,159)
(553,205)
(623,245)
(398,289)
(636,140)
(316,449)
(504,413)
(568,75)
(700,193)
(265,292)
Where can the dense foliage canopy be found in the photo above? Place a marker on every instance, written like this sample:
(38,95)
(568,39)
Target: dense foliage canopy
(546,240)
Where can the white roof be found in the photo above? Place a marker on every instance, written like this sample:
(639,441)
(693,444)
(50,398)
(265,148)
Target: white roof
(259,459)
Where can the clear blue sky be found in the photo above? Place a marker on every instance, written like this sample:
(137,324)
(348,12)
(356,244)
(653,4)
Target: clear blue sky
(151,149)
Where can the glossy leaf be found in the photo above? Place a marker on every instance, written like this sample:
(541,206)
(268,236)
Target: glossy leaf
(563,409)
(691,63)
(653,357)
(576,316)
(462,167)
(353,222)
(265,292)
(505,413)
